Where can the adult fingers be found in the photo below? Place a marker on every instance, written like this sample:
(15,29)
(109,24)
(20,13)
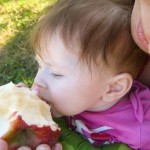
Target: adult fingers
(24,148)
(3,145)
(43,147)
(57,146)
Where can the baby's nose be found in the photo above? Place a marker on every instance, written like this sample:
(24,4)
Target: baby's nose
(38,84)
(40,80)
(35,88)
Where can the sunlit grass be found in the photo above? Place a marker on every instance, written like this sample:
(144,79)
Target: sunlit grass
(17,19)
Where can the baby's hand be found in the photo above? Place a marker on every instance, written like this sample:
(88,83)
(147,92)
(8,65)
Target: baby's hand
(21,85)
(57,146)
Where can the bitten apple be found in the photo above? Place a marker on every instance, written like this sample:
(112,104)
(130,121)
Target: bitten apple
(25,119)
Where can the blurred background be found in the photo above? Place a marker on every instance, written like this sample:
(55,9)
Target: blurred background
(17,19)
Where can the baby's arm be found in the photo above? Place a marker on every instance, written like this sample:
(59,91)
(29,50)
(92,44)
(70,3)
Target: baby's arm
(72,141)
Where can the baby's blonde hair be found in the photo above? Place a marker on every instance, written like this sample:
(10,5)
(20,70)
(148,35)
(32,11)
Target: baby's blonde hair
(101,29)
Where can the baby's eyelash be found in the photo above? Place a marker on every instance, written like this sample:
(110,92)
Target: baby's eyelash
(56,75)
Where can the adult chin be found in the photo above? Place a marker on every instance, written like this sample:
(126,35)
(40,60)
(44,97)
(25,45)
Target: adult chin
(139,36)
(137,28)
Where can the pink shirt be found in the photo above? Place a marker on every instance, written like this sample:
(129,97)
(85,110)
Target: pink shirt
(127,122)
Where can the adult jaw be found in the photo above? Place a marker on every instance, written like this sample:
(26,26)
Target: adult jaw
(140,27)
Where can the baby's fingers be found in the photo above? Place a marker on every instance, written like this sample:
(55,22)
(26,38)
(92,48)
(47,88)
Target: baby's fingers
(3,145)
(21,84)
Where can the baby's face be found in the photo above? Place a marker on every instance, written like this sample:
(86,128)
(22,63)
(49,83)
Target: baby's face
(140,24)
(67,84)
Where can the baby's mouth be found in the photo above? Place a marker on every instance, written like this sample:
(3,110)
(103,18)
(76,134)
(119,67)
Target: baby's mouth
(45,101)
(36,90)
(141,36)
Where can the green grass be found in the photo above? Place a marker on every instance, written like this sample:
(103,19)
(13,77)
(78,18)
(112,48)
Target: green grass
(17,19)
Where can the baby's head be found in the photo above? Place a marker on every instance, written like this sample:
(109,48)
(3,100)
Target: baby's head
(91,34)
(99,28)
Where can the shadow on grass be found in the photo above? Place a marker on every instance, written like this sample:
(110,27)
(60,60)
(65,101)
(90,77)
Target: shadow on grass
(17,62)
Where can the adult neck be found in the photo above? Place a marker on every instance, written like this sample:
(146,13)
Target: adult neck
(145,75)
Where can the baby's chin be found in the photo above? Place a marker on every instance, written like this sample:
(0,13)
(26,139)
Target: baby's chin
(55,113)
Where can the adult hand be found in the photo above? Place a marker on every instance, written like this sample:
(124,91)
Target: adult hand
(57,146)
(3,145)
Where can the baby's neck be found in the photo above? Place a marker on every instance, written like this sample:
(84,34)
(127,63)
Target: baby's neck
(105,106)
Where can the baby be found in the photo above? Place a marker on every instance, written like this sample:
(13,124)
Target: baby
(87,63)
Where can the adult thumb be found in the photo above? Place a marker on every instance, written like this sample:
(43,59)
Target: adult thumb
(3,145)
(57,146)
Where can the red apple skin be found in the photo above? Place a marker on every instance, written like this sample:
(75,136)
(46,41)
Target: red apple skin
(21,134)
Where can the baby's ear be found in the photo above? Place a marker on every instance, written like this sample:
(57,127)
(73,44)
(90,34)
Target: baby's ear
(118,86)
